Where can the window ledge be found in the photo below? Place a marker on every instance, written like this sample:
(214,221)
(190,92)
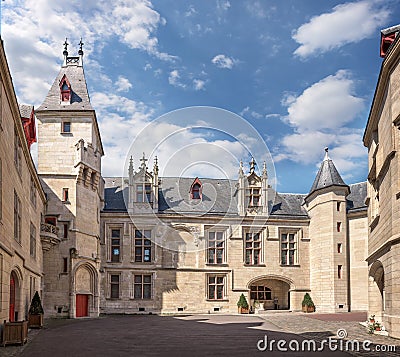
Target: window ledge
(144,300)
(217,264)
(66,202)
(290,265)
(219,300)
(113,299)
(254,265)
(66,133)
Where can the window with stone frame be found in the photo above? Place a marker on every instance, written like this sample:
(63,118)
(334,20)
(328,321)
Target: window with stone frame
(17,152)
(216,247)
(260,293)
(216,285)
(144,192)
(17,218)
(115,245)
(114,280)
(142,286)
(142,246)
(289,247)
(32,245)
(33,192)
(253,196)
(253,248)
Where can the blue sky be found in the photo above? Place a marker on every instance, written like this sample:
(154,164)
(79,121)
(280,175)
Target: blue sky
(302,73)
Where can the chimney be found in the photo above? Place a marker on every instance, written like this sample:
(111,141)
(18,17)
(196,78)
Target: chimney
(387,38)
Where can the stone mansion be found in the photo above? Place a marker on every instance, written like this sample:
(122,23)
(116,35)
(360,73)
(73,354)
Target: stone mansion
(149,244)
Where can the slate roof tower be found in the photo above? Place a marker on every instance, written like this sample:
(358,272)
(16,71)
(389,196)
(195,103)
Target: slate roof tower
(69,165)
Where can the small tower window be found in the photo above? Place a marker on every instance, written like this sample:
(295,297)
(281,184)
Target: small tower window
(66,127)
(196,189)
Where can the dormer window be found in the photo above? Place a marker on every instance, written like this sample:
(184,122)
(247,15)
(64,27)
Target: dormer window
(253,195)
(65,90)
(196,189)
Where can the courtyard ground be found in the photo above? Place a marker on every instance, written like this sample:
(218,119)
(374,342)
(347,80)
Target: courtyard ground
(196,335)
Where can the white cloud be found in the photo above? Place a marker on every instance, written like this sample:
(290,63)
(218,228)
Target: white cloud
(256,9)
(327,104)
(223,5)
(34,30)
(347,23)
(174,79)
(199,84)
(223,61)
(318,117)
(123,84)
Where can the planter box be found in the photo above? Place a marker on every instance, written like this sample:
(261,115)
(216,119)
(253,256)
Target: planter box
(35,321)
(15,332)
(243,310)
(308,308)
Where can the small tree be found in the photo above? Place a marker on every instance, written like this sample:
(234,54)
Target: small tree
(243,302)
(36,305)
(307,301)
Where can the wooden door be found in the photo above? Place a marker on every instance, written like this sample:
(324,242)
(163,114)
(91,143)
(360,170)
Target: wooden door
(82,305)
(11,314)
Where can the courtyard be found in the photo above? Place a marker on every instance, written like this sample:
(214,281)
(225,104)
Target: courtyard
(195,335)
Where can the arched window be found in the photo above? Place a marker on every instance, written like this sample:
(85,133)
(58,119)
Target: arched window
(65,89)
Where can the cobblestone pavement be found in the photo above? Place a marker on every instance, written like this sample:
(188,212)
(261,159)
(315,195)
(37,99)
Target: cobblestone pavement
(311,327)
(193,335)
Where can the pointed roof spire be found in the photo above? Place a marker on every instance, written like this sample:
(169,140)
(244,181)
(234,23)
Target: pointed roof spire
(327,175)
(80,52)
(130,169)
(252,165)
(241,173)
(143,160)
(264,171)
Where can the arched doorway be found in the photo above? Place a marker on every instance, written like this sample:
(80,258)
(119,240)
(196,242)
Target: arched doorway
(269,293)
(85,287)
(376,296)
(14,297)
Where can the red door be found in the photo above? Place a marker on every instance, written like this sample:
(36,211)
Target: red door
(82,305)
(11,310)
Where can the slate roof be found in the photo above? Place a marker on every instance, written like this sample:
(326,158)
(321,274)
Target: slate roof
(79,96)
(327,176)
(218,197)
(25,110)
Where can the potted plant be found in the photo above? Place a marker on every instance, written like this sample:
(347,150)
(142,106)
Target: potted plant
(377,326)
(308,304)
(35,316)
(243,305)
(372,319)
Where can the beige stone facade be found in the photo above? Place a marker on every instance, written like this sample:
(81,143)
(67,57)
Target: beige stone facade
(21,205)
(382,137)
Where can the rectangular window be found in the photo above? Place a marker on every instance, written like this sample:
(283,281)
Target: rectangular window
(340,248)
(253,196)
(216,287)
(142,286)
(143,246)
(32,246)
(65,230)
(17,218)
(338,206)
(288,248)
(260,293)
(114,286)
(252,248)
(65,265)
(66,127)
(115,245)
(65,195)
(143,193)
(338,226)
(1,189)
(17,152)
(33,192)
(340,271)
(216,248)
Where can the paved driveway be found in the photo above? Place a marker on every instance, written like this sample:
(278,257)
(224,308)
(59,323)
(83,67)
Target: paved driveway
(139,335)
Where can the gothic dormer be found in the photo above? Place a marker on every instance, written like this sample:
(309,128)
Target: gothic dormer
(143,187)
(65,90)
(253,191)
(196,189)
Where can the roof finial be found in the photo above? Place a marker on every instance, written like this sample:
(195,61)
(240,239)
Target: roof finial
(264,171)
(326,154)
(80,52)
(65,53)
(143,160)
(130,166)
(155,168)
(252,165)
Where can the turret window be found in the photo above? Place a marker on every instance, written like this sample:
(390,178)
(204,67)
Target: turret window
(65,90)
(196,189)
(66,127)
